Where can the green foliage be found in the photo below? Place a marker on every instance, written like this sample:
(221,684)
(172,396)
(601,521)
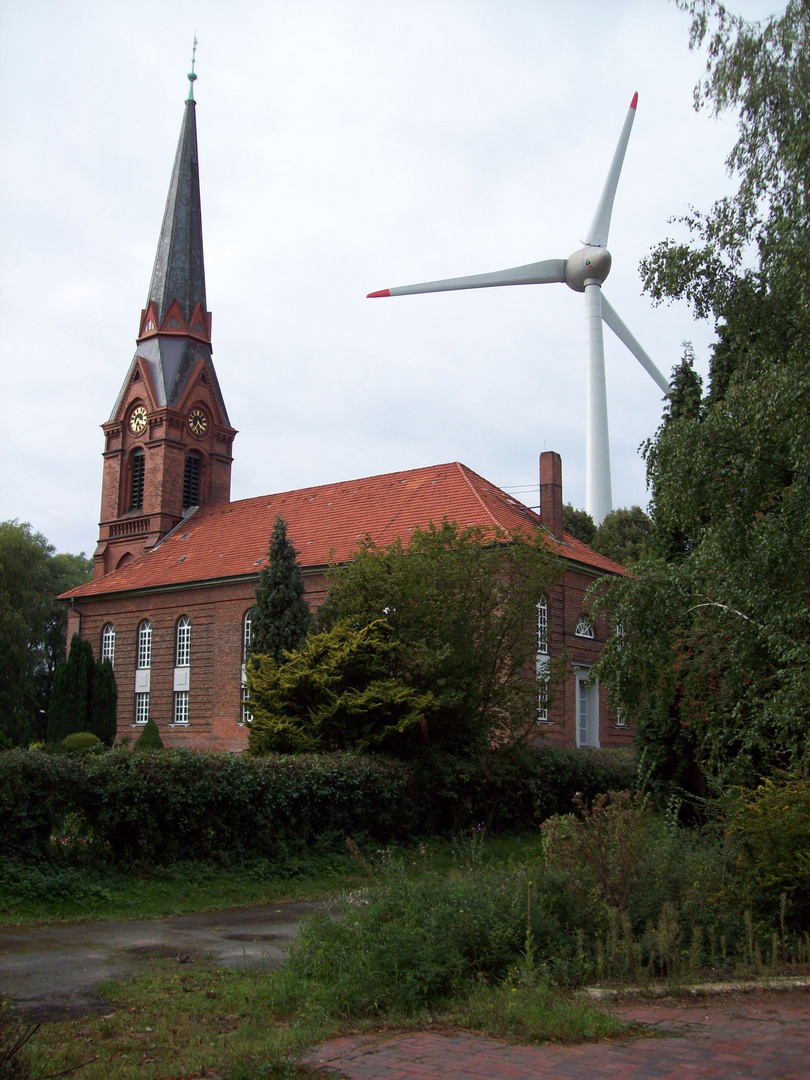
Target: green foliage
(32,626)
(410,944)
(624,535)
(281,617)
(104,702)
(762,72)
(772,827)
(164,808)
(149,738)
(340,691)
(461,606)
(578,523)
(83,741)
(715,662)
(71,701)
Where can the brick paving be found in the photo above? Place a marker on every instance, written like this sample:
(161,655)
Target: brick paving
(745,1036)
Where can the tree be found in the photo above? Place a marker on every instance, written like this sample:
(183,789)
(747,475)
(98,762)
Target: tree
(340,691)
(103,720)
(578,523)
(715,658)
(32,625)
(281,617)
(461,606)
(149,738)
(72,698)
(624,535)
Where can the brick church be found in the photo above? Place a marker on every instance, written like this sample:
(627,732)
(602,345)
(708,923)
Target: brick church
(177,561)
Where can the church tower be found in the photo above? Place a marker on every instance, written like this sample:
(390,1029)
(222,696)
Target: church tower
(168,441)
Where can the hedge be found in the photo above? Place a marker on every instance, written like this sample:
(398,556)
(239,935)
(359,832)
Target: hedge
(173,805)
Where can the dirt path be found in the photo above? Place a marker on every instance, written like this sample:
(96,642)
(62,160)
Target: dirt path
(52,970)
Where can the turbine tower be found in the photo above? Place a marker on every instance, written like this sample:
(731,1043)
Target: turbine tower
(584,272)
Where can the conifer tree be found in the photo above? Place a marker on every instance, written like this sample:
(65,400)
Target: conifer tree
(104,703)
(281,617)
(149,738)
(71,699)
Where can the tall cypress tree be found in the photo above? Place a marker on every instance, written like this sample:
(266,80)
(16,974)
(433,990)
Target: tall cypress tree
(71,700)
(281,617)
(104,703)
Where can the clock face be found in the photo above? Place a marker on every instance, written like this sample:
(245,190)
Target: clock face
(137,422)
(197,422)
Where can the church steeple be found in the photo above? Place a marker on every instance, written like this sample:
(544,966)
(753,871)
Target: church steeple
(169,437)
(179,270)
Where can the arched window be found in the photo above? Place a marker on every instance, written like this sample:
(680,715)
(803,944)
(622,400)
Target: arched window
(191,481)
(182,674)
(108,643)
(145,644)
(137,471)
(247,634)
(247,637)
(182,652)
(542,625)
(584,627)
(542,661)
(143,674)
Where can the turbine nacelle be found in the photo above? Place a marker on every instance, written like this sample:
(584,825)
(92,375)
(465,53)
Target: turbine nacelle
(588,264)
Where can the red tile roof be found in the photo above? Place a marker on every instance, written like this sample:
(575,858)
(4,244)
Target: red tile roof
(326,523)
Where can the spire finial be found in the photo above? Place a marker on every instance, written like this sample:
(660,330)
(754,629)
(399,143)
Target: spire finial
(191,75)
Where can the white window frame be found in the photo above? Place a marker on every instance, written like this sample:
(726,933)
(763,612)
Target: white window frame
(182,642)
(108,643)
(181,707)
(245,715)
(141,708)
(144,645)
(542,626)
(584,627)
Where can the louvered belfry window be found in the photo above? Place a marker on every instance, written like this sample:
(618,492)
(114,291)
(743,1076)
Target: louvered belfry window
(191,481)
(138,473)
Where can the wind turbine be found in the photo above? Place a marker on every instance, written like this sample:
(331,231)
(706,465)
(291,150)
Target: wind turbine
(584,272)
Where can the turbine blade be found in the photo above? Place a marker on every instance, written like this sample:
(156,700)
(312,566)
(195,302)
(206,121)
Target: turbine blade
(623,334)
(600,226)
(539,273)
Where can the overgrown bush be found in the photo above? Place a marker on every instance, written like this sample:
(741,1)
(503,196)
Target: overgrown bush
(772,828)
(165,807)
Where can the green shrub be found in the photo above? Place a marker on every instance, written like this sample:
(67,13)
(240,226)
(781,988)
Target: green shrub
(410,944)
(84,741)
(161,808)
(149,739)
(772,828)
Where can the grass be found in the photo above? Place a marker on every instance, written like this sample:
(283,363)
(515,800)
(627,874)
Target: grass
(470,934)
(196,1021)
(55,892)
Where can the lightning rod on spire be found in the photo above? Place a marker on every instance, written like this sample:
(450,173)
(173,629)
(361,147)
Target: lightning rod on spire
(191,75)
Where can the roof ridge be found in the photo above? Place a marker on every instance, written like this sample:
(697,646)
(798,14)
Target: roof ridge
(466,473)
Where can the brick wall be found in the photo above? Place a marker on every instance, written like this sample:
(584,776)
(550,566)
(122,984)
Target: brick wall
(217,611)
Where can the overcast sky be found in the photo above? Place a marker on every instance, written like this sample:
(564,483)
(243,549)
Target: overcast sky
(345,146)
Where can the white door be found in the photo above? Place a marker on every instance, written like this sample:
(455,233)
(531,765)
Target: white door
(587,709)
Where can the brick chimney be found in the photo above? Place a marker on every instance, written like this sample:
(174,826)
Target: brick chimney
(551,497)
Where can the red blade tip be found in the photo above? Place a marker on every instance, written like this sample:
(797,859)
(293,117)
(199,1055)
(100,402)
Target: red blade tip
(382,292)
(634,102)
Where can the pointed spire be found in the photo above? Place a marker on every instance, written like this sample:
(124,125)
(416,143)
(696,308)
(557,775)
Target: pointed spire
(179,271)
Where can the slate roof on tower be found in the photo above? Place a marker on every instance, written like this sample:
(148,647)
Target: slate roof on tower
(326,524)
(175,328)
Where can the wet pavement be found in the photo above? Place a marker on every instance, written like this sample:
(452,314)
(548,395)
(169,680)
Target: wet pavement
(55,969)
